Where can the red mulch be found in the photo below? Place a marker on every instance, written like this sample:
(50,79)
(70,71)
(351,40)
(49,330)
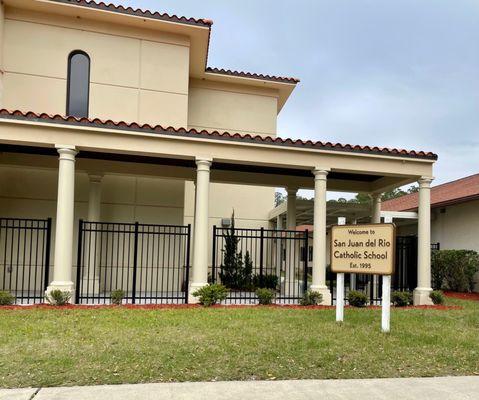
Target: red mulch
(94,306)
(182,306)
(463,296)
(436,307)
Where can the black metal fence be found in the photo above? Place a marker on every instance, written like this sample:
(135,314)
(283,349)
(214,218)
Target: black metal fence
(246,259)
(404,278)
(25,258)
(405,273)
(149,263)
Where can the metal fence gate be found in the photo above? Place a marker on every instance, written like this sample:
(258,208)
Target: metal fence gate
(247,259)
(149,263)
(25,258)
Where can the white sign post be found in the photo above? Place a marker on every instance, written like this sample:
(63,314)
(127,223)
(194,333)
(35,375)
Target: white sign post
(340,287)
(386,297)
(363,249)
(386,304)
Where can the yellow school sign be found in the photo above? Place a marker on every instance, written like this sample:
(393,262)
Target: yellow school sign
(363,249)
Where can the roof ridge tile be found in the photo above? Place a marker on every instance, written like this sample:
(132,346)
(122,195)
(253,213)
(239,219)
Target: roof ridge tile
(252,75)
(138,11)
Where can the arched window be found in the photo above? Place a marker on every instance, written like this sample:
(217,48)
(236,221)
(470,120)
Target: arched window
(78,84)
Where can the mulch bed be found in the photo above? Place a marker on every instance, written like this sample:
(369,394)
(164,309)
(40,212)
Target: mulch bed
(185,306)
(463,296)
(94,306)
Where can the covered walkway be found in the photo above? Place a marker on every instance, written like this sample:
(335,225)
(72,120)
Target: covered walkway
(70,144)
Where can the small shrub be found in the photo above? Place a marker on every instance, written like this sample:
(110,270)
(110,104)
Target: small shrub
(437,297)
(438,270)
(58,297)
(211,294)
(401,299)
(268,281)
(357,298)
(6,298)
(311,298)
(117,296)
(265,296)
(454,269)
(235,272)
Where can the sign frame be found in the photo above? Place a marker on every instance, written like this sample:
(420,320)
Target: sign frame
(360,271)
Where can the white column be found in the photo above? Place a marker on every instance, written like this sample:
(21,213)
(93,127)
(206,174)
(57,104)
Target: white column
(91,279)
(291,209)
(319,236)
(201,233)
(291,287)
(279,222)
(421,293)
(376,219)
(376,208)
(62,270)
(279,248)
(94,198)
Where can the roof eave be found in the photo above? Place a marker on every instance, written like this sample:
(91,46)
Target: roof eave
(284,88)
(298,144)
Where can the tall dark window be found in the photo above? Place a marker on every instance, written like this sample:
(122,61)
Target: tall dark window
(78,84)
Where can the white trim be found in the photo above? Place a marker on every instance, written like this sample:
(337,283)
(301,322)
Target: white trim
(399,214)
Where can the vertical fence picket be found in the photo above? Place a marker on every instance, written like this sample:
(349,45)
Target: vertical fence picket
(306,259)
(79,262)
(48,234)
(135,264)
(187,278)
(261,254)
(213,264)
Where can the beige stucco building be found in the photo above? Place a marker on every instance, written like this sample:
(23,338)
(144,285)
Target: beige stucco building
(110,114)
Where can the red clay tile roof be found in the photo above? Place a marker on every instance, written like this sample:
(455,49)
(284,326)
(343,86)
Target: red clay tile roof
(178,19)
(158,129)
(459,191)
(252,75)
(137,12)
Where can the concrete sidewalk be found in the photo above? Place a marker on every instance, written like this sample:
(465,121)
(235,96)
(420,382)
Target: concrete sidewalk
(445,388)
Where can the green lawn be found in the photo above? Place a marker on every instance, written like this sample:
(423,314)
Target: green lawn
(50,347)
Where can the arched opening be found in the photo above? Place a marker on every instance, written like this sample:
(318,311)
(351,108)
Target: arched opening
(78,84)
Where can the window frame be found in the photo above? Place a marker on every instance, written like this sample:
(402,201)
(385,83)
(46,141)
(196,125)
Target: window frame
(69,66)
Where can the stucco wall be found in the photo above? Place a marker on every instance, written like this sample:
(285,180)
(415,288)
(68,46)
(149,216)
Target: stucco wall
(135,76)
(31,193)
(232,108)
(457,227)
(2,24)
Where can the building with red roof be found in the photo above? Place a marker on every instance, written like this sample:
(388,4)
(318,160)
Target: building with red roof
(121,149)
(454,214)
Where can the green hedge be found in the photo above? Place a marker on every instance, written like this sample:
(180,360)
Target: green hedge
(454,269)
